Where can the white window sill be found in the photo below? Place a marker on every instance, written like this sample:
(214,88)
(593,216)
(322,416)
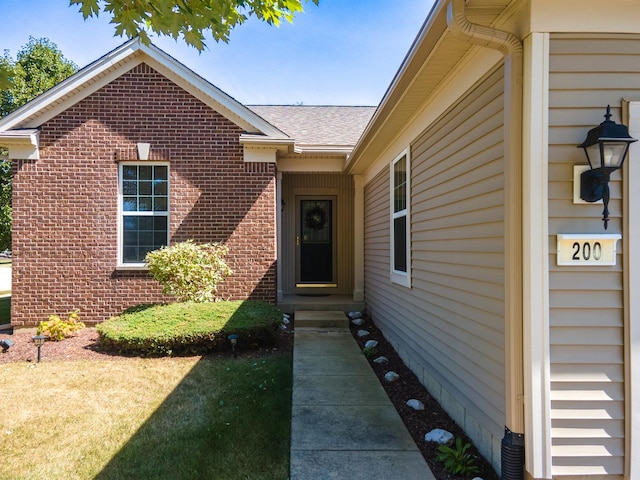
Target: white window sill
(402,279)
(139,267)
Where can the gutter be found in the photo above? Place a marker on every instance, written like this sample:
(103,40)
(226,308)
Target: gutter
(513,448)
(22,143)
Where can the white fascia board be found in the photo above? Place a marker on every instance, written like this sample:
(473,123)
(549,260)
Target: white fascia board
(285,144)
(79,84)
(325,149)
(22,144)
(114,64)
(300,164)
(260,154)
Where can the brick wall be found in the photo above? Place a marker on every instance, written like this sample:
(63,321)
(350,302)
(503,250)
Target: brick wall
(65,204)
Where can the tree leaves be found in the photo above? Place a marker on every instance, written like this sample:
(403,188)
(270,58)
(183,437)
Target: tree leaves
(190,20)
(39,66)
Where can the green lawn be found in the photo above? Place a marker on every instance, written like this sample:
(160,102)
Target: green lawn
(178,418)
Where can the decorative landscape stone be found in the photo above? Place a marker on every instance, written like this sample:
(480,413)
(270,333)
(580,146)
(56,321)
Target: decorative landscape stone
(439,436)
(391,377)
(415,404)
(354,315)
(371,344)
(363,333)
(357,322)
(380,359)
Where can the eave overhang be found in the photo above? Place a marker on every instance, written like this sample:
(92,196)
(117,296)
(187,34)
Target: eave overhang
(22,143)
(260,147)
(433,56)
(117,62)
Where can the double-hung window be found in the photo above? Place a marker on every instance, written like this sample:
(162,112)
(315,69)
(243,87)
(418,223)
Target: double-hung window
(400,220)
(144,210)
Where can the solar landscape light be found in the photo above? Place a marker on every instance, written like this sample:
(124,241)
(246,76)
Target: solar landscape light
(233,338)
(6,344)
(39,341)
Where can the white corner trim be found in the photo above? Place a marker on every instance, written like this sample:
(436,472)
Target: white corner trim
(536,348)
(631,180)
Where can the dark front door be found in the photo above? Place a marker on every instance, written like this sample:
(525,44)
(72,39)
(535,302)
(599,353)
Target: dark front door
(315,242)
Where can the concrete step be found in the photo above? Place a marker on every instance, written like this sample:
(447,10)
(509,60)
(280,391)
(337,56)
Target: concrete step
(344,303)
(320,319)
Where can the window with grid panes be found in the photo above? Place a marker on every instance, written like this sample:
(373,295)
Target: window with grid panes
(144,210)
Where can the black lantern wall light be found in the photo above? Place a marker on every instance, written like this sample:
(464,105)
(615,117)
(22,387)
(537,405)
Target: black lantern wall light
(606,147)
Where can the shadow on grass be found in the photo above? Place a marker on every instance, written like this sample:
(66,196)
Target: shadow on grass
(227,419)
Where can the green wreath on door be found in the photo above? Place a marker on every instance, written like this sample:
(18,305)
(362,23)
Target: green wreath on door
(315,218)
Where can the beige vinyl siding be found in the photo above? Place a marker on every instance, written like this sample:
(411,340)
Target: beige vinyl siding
(319,184)
(449,327)
(586,304)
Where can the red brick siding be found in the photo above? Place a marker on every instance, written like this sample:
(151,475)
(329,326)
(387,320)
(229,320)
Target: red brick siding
(65,204)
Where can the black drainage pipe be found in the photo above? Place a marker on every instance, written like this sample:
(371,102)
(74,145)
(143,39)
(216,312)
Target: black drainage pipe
(512,455)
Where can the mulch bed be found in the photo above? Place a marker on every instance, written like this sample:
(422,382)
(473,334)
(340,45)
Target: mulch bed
(418,423)
(85,345)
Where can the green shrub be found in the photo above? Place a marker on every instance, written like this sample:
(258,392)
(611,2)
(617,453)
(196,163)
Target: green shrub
(190,327)
(368,352)
(57,329)
(456,459)
(188,271)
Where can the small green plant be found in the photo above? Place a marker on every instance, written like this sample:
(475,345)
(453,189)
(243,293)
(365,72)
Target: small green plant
(57,329)
(189,271)
(368,352)
(456,459)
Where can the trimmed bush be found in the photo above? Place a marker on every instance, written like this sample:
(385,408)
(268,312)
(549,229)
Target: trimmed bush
(190,328)
(188,271)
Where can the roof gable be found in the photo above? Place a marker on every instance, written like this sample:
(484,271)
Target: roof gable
(119,61)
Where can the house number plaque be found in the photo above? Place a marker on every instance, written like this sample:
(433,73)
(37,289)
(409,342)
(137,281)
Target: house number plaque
(587,249)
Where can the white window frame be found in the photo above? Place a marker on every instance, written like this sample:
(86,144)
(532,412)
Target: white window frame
(398,276)
(122,265)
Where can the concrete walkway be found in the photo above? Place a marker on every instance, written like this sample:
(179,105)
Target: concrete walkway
(343,425)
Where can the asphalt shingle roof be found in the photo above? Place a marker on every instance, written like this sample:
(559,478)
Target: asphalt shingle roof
(317,125)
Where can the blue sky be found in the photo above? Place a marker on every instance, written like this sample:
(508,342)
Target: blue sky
(343,52)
